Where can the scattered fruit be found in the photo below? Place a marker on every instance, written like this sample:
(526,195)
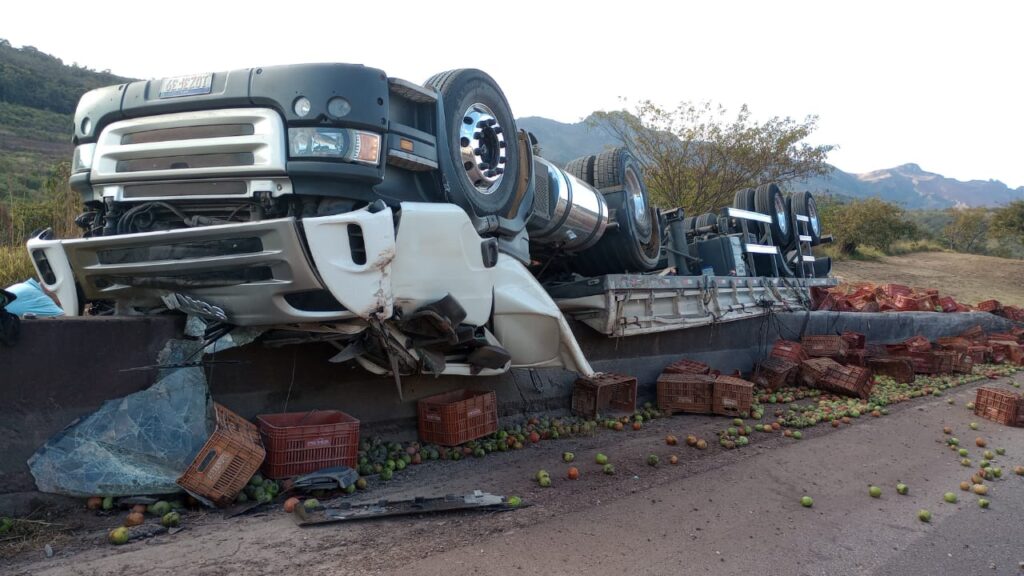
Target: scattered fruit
(807,502)
(980,489)
(1000,451)
(953,441)
(574,473)
(608,469)
(701,444)
(652,460)
(140,508)
(134,519)
(671,440)
(997,471)
(980,442)
(514,501)
(874,491)
(947,430)
(160,508)
(989,455)
(290,504)
(568,457)
(541,473)
(601,459)
(963,452)
(1018,470)
(118,536)
(902,489)
(949,497)
(966,462)
(973,425)
(170,520)
(983,502)
(965,486)
(637,425)
(545,482)
(924,515)
(797,434)
(361,483)
(311,504)
(673,459)
(691,440)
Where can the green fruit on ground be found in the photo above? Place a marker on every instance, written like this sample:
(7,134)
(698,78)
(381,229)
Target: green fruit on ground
(161,508)
(652,460)
(350,489)
(108,503)
(997,472)
(390,465)
(742,441)
(400,465)
(966,462)
(1000,451)
(963,452)
(874,491)
(924,516)
(6,525)
(361,484)
(608,469)
(798,434)
(759,427)
(387,474)
(973,425)
(242,498)
(949,497)
(954,441)
(902,489)
(118,536)
(256,480)
(989,455)
(170,520)
(568,457)
(807,502)
(541,473)
(544,481)
(983,502)
(311,503)
(514,501)
(601,459)
(737,422)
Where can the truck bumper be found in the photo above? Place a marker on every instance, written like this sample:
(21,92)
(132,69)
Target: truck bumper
(249,274)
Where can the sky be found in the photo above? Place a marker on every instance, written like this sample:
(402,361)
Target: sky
(936,83)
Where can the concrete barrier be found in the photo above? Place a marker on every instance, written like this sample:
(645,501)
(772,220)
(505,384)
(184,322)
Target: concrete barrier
(64,369)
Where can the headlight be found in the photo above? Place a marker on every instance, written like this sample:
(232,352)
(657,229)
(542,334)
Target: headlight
(82,160)
(334,143)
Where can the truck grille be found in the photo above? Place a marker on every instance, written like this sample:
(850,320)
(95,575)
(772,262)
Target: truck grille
(205,144)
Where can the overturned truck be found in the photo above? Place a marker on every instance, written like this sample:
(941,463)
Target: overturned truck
(411,226)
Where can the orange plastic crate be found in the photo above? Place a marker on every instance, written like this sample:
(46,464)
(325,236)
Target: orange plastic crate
(302,442)
(773,373)
(456,417)
(685,392)
(687,366)
(824,346)
(591,396)
(732,396)
(231,455)
(997,404)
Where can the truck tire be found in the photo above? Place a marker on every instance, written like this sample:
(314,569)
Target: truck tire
(744,199)
(481,169)
(634,245)
(705,220)
(804,205)
(768,200)
(582,168)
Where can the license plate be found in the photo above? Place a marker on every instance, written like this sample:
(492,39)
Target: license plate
(191,85)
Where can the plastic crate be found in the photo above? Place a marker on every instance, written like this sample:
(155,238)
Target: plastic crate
(963,363)
(687,366)
(918,344)
(997,404)
(227,460)
(854,340)
(773,373)
(856,357)
(979,354)
(954,343)
(814,369)
(973,333)
(457,417)
(685,392)
(1008,351)
(899,369)
(825,346)
(302,442)
(948,304)
(989,305)
(946,360)
(732,396)
(1004,337)
(789,350)
(603,392)
(892,290)
(849,381)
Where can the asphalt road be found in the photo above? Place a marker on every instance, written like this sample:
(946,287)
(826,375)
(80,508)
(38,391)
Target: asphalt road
(745,518)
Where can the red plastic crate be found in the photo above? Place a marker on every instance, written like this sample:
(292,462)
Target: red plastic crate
(918,344)
(302,442)
(732,396)
(814,369)
(687,366)
(997,404)
(854,340)
(591,396)
(899,369)
(231,455)
(789,350)
(954,343)
(856,357)
(963,363)
(773,373)
(948,304)
(989,305)
(456,417)
(685,392)
(848,380)
(979,354)
(891,290)
(824,346)
(973,333)
(1009,351)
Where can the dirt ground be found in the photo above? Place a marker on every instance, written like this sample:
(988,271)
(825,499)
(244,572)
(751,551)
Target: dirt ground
(717,512)
(967,277)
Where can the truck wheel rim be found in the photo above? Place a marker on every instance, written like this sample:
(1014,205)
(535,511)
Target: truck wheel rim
(812,215)
(482,145)
(780,214)
(635,196)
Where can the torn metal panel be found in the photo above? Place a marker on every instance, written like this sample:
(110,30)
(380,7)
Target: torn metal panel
(346,512)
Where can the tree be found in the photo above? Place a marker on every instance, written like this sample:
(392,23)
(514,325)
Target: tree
(1008,221)
(871,222)
(696,155)
(966,232)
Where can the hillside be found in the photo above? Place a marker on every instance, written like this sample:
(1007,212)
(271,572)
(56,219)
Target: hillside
(908,185)
(38,95)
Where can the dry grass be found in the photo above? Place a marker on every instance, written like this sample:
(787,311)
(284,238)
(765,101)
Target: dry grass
(31,535)
(15,265)
(967,277)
